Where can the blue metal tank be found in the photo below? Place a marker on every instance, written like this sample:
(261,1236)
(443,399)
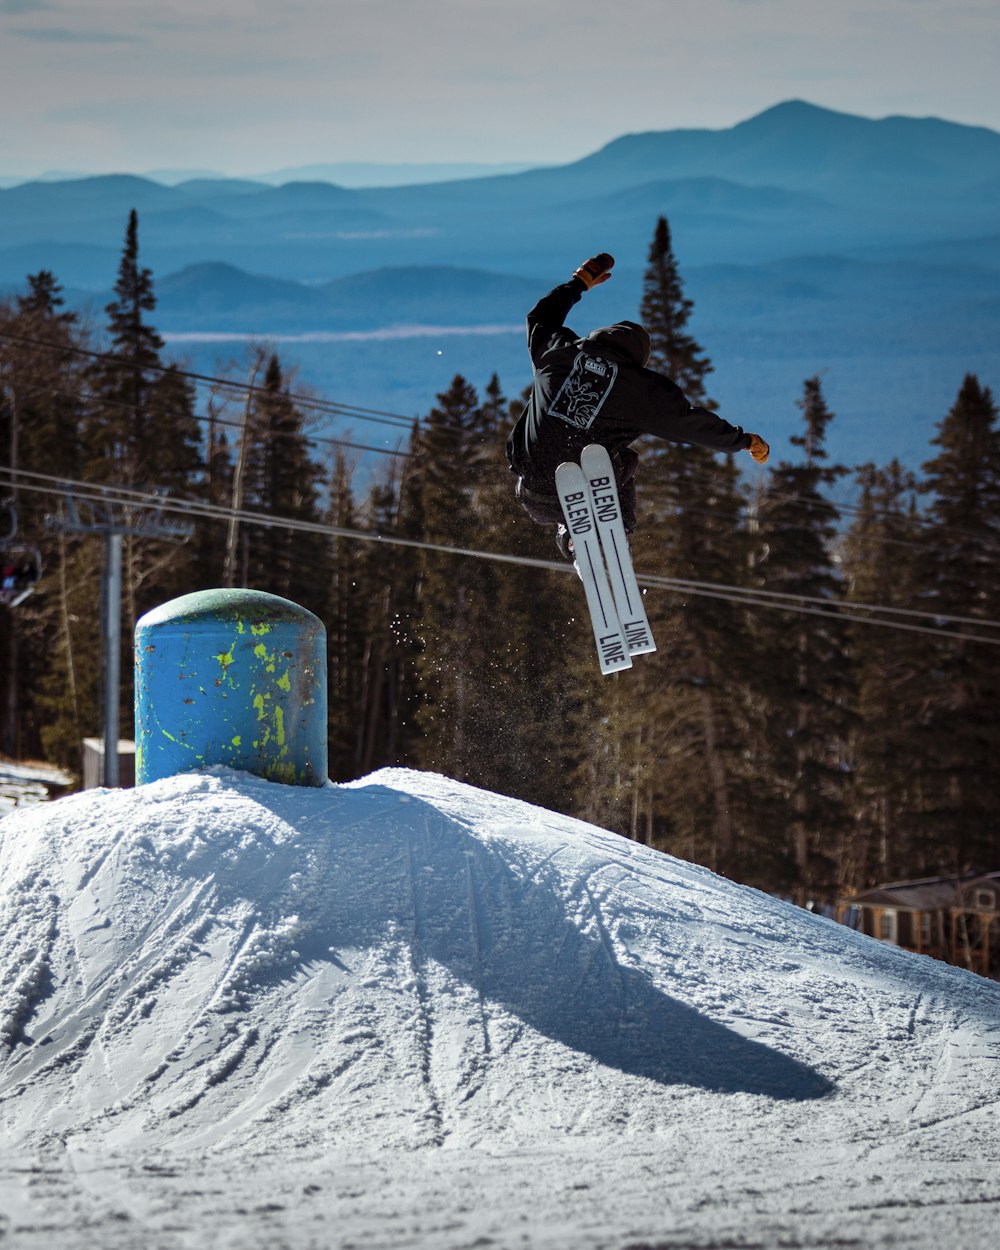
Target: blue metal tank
(234,677)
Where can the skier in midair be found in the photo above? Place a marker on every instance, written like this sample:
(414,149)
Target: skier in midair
(598,390)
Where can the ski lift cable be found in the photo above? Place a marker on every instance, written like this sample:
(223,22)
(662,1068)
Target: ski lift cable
(316,440)
(155,498)
(851,605)
(400,421)
(126,496)
(330,407)
(154,409)
(311,440)
(801,610)
(776,600)
(747,509)
(335,407)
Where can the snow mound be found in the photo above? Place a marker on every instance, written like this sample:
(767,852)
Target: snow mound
(406,962)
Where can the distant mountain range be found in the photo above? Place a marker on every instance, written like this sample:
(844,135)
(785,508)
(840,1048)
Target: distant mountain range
(807,239)
(345,173)
(796,179)
(216,296)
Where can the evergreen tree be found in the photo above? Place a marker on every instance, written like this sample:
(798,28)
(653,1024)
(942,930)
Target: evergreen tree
(388,692)
(41,408)
(282,479)
(684,723)
(488,666)
(520,683)
(881,565)
(803,674)
(443,447)
(140,433)
(349,625)
(141,429)
(44,298)
(208,545)
(43,379)
(956,752)
(665,312)
(120,430)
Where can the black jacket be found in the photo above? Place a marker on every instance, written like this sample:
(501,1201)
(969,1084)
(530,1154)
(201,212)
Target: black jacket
(597,390)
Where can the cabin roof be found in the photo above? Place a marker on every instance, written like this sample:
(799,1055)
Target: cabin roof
(926,894)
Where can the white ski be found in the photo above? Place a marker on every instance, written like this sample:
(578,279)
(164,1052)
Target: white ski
(574,496)
(599,472)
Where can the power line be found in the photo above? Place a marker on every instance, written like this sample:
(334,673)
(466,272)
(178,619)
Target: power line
(312,440)
(853,605)
(240,389)
(775,600)
(747,510)
(333,407)
(399,421)
(842,612)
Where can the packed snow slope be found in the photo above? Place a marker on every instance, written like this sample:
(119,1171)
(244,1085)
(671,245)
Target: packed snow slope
(447,1016)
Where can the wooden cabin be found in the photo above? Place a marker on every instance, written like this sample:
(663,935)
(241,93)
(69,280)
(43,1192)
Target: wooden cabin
(956,919)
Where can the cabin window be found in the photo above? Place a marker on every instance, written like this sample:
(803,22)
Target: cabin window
(986,900)
(887,928)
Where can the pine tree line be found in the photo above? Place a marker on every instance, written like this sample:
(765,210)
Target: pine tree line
(805,754)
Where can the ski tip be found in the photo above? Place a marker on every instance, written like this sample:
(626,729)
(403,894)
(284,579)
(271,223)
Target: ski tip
(638,636)
(618,667)
(594,451)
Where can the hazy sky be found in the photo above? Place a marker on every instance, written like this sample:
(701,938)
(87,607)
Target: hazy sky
(248,86)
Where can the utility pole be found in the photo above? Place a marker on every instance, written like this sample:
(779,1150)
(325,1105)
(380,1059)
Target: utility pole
(114,521)
(112,653)
(229,572)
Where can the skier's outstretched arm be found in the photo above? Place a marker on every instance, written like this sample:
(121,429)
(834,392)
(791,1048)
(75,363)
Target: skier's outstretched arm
(676,419)
(546,321)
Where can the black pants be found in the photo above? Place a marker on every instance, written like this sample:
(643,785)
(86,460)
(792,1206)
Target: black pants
(541,502)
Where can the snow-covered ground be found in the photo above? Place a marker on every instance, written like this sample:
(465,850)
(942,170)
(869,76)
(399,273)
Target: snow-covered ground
(405,1012)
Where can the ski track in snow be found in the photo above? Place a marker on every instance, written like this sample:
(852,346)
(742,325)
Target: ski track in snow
(405,1012)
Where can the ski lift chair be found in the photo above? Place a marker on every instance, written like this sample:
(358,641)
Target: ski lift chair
(20,563)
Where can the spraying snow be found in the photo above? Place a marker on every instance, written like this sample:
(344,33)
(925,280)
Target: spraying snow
(407,1012)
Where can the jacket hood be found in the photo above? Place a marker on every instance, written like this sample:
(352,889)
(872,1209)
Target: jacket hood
(626,339)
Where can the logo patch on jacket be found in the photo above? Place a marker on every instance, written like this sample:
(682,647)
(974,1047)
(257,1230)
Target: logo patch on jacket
(581,396)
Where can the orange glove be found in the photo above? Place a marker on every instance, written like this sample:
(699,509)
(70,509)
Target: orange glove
(596,270)
(758,449)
